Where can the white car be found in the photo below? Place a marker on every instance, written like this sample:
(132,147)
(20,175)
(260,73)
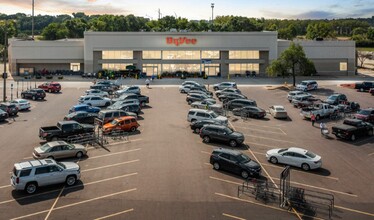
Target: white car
(224,85)
(307,85)
(93,100)
(201,114)
(21,104)
(117,104)
(278,111)
(185,88)
(294,93)
(97,92)
(128,89)
(294,156)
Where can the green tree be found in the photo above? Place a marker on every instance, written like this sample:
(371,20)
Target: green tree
(319,30)
(370,34)
(292,61)
(76,27)
(55,31)
(359,31)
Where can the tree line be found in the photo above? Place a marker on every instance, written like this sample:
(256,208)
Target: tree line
(65,26)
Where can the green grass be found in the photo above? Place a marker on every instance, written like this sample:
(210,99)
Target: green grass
(371,49)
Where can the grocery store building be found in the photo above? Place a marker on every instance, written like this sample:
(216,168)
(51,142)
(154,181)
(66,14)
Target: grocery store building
(215,53)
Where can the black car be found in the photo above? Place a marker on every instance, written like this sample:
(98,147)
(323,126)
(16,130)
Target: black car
(3,115)
(235,162)
(238,103)
(197,125)
(336,99)
(81,117)
(221,133)
(193,97)
(135,108)
(249,112)
(33,94)
(9,108)
(104,88)
(230,96)
(203,89)
(364,86)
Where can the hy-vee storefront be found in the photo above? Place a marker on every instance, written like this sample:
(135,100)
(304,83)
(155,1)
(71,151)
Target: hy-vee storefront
(156,53)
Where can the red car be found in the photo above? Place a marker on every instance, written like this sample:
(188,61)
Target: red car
(50,87)
(365,115)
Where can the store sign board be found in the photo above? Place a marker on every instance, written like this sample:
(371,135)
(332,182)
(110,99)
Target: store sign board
(180,41)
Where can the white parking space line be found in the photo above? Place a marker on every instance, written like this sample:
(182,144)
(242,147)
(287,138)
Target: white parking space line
(232,216)
(111,154)
(266,138)
(371,154)
(354,210)
(204,152)
(26,158)
(112,165)
(6,186)
(77,203)
(79,185)
(115,214)
(54,204)
(256,125)
(226,181)
(265,131)
(258,153)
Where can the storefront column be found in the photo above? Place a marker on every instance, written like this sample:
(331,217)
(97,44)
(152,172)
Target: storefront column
(224,67)
(138,56)
(264,55)
(96,66)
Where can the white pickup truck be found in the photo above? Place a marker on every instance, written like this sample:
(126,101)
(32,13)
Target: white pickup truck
(319,110)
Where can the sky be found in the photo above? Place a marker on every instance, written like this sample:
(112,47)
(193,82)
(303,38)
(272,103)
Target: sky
(199,9)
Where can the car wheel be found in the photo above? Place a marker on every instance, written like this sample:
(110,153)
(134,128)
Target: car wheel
(245,174)
(50,90)
(79,154)
(71,180)
(353,137)
(189,102)
(318,117)
(197,130)
(305,167)
(233,143)
(31,188)
(370,132)
(206,139)
(182,91)
(273,160)
(34,98)
(216,166)
(133,129)
(361,90)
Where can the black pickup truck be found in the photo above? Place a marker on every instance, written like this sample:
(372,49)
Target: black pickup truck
(63,130)
(352,128)
(364,86)
(143,100)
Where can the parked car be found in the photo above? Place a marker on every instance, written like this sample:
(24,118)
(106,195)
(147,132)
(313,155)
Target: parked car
(97,92)
(21,104)
(249,112)
(143,100)
(104,88)
(225,97)
(81,117)
(227,90)
(9,108)
(63,130)
(224,85)
(106,116)
(352,128)
(336,99)
(126,123)
(192,83)
(307,85)
(202,89)
(32,174)
(200,92)
(235,162)
(294,93)
(185,88)
(59,149)
(84,108)
(3,115)
(117,104)
(349,107)
(33,94)
(278,111)
(209,105)
(201,114)
(222,134)
(303,100)
(197,125)
(130,107)
(364,86)
(196,97)
(320,110)
(238,103)
(94,100)
(50,87)
(128,89)
(365,115)
(295,156)
(110,84)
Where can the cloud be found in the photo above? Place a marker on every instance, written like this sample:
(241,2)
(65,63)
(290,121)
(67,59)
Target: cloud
(315,15)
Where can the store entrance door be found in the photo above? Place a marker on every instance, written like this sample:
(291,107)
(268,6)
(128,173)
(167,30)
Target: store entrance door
(211,70)
(151,70)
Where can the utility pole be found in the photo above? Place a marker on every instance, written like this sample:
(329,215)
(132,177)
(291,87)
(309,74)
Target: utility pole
(32,25)
(212,5)
(5,75)
(159,14)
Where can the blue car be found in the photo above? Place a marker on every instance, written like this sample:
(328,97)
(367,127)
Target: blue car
(84,108)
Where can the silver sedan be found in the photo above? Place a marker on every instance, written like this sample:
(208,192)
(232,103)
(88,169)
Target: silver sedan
(59,149)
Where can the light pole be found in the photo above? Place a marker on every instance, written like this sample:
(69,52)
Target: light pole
(32,22)
(5,75)
(212,5)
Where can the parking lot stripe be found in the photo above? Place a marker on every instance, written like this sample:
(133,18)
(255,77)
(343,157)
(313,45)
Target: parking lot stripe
(54,204)
(321,188)
(226,181)
(6,186)
(371,154)
(258,153)
(121,152)
(112,165)
(204,152)
(232,216)
(123,142)
(262,130)
(115,214)
(354,210)
(56,190)
(264,145)
(77,203)
(255,136)
(247,123)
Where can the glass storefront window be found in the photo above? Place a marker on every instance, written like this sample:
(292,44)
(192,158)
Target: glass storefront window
(244,54)
(210,54)
(117,54)
(75,67)
(152,54)
(241,68)
(114,66)
(181,55)
(343,66)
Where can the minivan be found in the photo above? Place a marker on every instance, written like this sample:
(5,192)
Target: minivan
(307,85)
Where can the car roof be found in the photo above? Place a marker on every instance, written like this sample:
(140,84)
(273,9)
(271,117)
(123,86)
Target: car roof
(111,110)
(278,106)
(229,151)
(297,150)
(247,100)
(308,81)
(55,143)
(67,122)
(125,118)
(216,126)
(33,163)
(80,105)
(200,110)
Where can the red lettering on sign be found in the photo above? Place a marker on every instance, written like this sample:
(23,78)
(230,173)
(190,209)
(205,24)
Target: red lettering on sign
(180,40)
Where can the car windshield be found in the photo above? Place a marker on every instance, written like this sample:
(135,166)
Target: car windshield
(333,97)
(310,154)
(304,83)
(45,147)
(282,150)
(279,109)
(22,101)
(228,130)
(214,115)
(364,112)
(242,158)
(61,164)
(114,122)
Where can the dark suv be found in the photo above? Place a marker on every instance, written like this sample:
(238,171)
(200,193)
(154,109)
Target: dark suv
(238,103)
(235,162)
(336,99)
(222,134)
(9,108)
(33,94)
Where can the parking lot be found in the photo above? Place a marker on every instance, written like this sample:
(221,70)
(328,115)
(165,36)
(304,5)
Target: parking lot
(163,171)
